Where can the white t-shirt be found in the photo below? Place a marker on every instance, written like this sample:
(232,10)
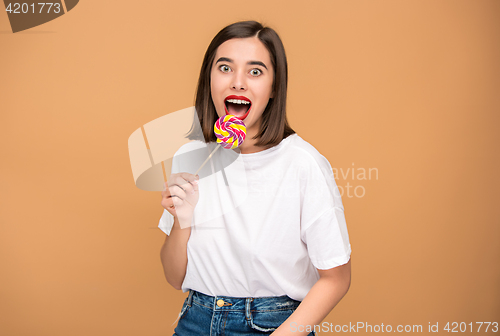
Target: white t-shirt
(264,222)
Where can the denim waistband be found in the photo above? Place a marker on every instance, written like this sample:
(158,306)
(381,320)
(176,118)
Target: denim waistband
(269,303)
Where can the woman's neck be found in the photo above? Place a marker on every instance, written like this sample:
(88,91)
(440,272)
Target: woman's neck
(248,146)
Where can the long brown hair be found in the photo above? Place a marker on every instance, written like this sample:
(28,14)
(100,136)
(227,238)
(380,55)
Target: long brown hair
(274,126)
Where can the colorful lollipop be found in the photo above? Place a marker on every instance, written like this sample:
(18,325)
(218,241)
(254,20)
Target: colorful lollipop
(230,132)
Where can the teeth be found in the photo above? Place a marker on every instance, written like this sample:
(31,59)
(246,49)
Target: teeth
(237,101)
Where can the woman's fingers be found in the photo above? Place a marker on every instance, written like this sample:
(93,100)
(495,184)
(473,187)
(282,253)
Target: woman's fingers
(172,196)
(166,189)
(180,185)
(188,177)
(185,181)
(192,183)
(196,182)
(178,191)
(170,202)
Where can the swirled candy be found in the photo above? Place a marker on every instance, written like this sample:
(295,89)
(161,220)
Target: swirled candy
(230,131)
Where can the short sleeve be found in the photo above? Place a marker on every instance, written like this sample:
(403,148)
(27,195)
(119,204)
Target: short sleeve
(327,240)
(166,222)
(323,224)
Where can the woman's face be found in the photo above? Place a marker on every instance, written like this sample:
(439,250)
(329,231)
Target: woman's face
(241,80)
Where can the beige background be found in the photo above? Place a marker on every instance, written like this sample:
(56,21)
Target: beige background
(407,87)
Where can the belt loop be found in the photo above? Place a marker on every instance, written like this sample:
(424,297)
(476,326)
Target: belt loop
(190,297)
(248,314)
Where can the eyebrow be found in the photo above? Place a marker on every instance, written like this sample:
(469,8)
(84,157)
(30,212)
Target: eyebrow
(225,59)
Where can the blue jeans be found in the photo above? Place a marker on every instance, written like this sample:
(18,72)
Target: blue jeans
(204,315)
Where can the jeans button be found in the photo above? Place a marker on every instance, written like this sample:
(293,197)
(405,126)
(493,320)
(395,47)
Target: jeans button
(220,303)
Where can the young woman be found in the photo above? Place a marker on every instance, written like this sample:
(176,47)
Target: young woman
(259,238)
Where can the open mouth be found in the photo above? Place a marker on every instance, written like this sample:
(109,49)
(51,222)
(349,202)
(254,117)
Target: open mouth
(237,106)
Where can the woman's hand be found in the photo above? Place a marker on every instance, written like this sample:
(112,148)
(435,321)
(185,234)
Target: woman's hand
(180,197)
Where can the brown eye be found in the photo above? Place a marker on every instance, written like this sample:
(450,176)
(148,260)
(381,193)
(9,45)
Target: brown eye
(224,68)
(256,72)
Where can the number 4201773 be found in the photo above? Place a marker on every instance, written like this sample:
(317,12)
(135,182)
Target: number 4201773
(462,327)
(41,7)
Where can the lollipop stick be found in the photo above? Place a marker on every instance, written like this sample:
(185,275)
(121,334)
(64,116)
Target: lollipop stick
(207,159)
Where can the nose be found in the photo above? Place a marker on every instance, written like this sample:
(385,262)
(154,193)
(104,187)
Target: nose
(239,82)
